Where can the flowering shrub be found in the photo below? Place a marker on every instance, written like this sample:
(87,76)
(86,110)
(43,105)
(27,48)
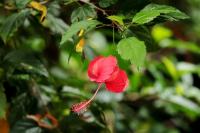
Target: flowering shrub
(53,52)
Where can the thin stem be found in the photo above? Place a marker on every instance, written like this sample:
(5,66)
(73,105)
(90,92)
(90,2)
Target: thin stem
(94,94)
(113,34)
(79,107)
(103,11)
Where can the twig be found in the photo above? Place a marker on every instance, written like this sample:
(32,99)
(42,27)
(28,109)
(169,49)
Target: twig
(103,11)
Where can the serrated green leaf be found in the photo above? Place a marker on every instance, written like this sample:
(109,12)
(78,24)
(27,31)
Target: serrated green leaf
(74,28)
(12,22)
(21,3)
(107,3)
(118,19)
(152,11)
(83,13)
(3,103)
(142,33)
(132,49)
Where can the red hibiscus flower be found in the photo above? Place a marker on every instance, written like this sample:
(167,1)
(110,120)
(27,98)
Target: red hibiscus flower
(104,70)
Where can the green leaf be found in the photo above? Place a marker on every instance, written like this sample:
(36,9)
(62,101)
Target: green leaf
(83,13)
(55,24)
(12,22)
(152,11)
(3,104)
(186,67)
(142,32)
(118,19)
(132,49)
(192,93)
(181,45)
(25,126)
(74,28)
(107,3)
(186,105)
(26,61)
(68,90)
(170,68)
(21,3)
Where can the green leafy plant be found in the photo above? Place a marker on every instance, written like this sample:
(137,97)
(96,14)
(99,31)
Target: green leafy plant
(46,48)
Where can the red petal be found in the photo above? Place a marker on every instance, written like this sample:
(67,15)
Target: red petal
(101,68)
(92,69)
(114,74)
(119,83)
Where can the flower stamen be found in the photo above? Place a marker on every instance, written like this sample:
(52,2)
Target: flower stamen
(82,106)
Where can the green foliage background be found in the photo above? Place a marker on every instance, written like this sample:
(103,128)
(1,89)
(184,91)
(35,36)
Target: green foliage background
(154,41)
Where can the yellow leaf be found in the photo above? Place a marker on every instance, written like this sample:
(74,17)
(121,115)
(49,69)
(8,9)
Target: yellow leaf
(37,6)
(89,18)
(80,45)
(81,32)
